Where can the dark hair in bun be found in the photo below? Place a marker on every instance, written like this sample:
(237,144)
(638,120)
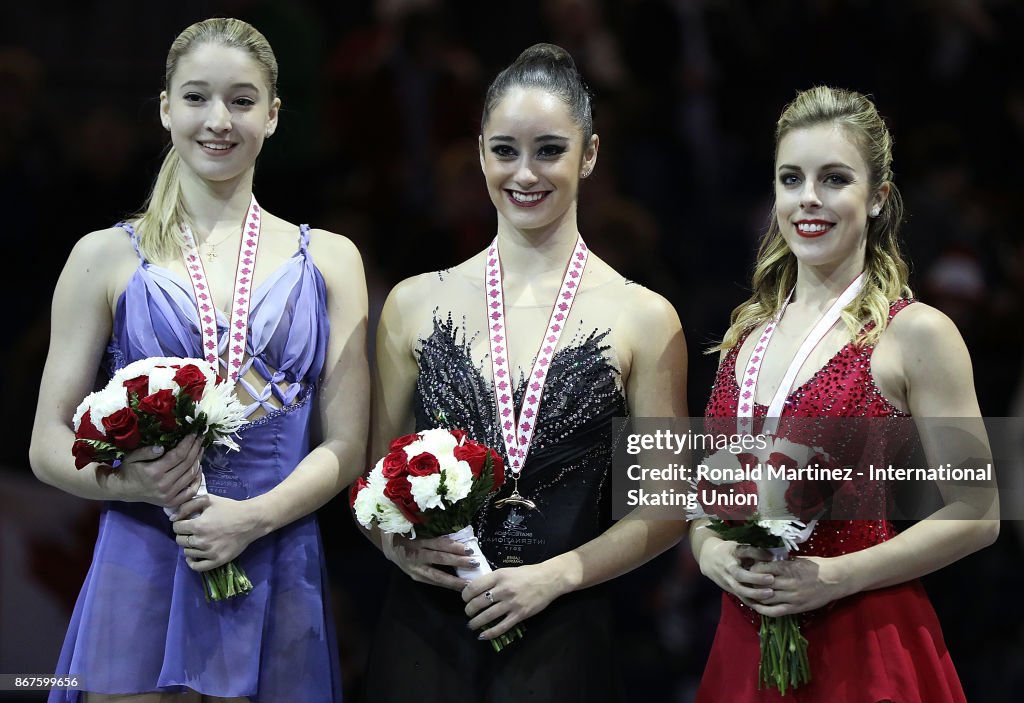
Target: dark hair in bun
(550,68)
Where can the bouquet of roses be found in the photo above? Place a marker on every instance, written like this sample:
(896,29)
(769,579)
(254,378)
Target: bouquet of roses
(158,402)
(768,515)
(432,483)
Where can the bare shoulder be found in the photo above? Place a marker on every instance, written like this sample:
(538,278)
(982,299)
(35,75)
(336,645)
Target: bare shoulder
(641,310)
(334,252)
(934,361)
(102,259)
(931,352)
(425,289)
(324,244)
(104,245)
(921,330)
(410,295)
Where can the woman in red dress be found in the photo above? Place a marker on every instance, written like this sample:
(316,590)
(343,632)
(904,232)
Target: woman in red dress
(832,249)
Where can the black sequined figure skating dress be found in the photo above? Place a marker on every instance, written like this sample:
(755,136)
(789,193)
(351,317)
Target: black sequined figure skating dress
(423,650)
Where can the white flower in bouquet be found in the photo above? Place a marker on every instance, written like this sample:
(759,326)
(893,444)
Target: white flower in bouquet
(223,411)
(725,467)
(105,403)
(162,378)
(81,410)
(436,441)
(771,497)
(458,478)
(365,504)
(791,532)
(144,367)
(371,504)
(390,518)
(425,491)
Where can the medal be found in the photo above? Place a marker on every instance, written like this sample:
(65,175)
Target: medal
(745,408)
(517,431)
(239,310)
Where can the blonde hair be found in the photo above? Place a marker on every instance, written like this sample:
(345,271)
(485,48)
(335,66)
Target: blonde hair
(160,221)
(885,271)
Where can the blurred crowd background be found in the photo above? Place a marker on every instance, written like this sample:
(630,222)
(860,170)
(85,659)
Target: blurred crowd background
(377,140)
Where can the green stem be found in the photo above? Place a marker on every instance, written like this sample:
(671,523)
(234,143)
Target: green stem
(225,582)
(784,661)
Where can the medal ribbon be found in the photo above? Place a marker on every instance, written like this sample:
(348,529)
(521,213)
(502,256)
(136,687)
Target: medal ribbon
(745,409)
(241,297)
(518,432)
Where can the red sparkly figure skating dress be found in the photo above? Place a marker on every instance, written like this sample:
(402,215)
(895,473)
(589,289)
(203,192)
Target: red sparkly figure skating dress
(878,645)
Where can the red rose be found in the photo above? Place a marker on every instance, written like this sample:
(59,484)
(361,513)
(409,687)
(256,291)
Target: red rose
(473,454)
(806,500)
(399,491)
(138,385)
(403,441)
(354,489)
(721,501)
(424,464)
(497,469)
(395,464)
(459,435)
(747,460)
(161,406)
(191,380)
(83,453)
(780,460)
(706,495)
(123,429)
(87,430)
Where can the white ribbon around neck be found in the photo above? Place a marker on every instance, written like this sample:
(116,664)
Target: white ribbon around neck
(241,295)
(517,432)
(748,386)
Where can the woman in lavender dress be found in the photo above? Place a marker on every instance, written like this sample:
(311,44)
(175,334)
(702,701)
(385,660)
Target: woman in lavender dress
(142,630)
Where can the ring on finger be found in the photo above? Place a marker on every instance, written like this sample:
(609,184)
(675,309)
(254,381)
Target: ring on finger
(188,541)
(489,596)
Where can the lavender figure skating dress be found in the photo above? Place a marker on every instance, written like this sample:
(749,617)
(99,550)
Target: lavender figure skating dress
(141,622)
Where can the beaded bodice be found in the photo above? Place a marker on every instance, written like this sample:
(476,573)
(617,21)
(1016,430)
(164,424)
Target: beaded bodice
(567,466)
(842,388)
